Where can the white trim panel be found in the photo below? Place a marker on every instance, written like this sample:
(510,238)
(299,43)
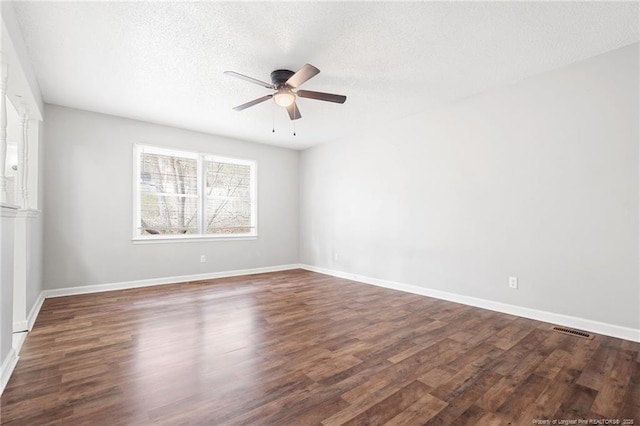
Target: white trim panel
(19,326)
(69,291)
(8,210)
(550,317)
(7,368)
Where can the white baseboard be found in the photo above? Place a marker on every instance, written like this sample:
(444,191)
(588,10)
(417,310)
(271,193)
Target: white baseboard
(27,324)
(69,291)
(23,327)
(7,368)
(550,317)
(35,310)
(18,340)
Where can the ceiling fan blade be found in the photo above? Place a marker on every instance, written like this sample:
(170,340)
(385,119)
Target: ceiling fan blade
(320,96)
(249,79)
(252,103)
(305,73)
(294,111)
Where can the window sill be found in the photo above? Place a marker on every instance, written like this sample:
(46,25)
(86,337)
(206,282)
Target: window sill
(194,239)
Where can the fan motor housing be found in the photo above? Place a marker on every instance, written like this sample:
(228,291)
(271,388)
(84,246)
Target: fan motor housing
(279,77)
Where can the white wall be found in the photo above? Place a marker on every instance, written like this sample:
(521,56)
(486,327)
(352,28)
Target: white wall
(22,90)
(88,203)
(22,78)
(7,218)
(35,278)
(538,180)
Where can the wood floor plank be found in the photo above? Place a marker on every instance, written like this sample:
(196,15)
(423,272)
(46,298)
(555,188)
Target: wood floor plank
(522,399)
(631,404)
(507,386)
(391,406)
(509,336)
(577,403)
(611,395)
(361,401)
(301,348)
(552,365)
(594,373)
(419,412)
(471,416)
(456,407)
(549,399)
(493,419)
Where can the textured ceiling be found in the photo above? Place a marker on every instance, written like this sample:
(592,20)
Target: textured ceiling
(164,62)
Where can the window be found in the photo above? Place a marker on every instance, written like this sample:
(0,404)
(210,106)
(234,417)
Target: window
(182,194)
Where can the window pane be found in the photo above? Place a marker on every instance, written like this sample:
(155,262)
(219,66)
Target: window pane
(227,180)
(162,214)
(163,174)
(228,216)
(228,188)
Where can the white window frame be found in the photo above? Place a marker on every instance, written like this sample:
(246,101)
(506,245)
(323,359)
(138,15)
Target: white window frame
(200,157)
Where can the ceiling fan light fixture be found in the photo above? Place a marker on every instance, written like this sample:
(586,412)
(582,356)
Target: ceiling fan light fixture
(284,97)
(286,89)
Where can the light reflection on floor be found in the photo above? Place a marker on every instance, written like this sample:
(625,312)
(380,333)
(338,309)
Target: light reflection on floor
(225,332)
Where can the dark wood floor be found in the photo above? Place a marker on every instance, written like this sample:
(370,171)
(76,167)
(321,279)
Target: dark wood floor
(300,348)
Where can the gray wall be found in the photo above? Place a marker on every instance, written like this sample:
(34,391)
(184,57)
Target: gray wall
(538,180)
(33,261)
(88,203)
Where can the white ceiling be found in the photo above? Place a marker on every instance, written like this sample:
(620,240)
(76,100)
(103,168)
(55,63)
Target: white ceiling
(163,62)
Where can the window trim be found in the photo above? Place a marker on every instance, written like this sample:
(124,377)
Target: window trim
(200,157)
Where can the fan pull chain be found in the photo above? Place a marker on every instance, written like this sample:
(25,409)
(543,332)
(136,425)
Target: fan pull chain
(294,121)
(273,118)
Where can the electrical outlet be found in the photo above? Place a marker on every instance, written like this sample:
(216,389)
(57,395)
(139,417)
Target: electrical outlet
(203,259)
(335,257)
(513,282)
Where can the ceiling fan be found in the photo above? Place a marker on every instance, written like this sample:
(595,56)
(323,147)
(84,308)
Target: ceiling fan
(285,83)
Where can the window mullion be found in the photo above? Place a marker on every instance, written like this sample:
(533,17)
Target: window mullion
(137,193)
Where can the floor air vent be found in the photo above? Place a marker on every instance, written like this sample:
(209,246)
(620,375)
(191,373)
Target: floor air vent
(572,332)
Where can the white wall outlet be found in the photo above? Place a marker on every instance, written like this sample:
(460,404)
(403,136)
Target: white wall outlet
(335,257)
(513,282)
(203,259)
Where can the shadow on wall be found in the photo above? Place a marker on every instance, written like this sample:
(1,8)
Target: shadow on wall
(68,259)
